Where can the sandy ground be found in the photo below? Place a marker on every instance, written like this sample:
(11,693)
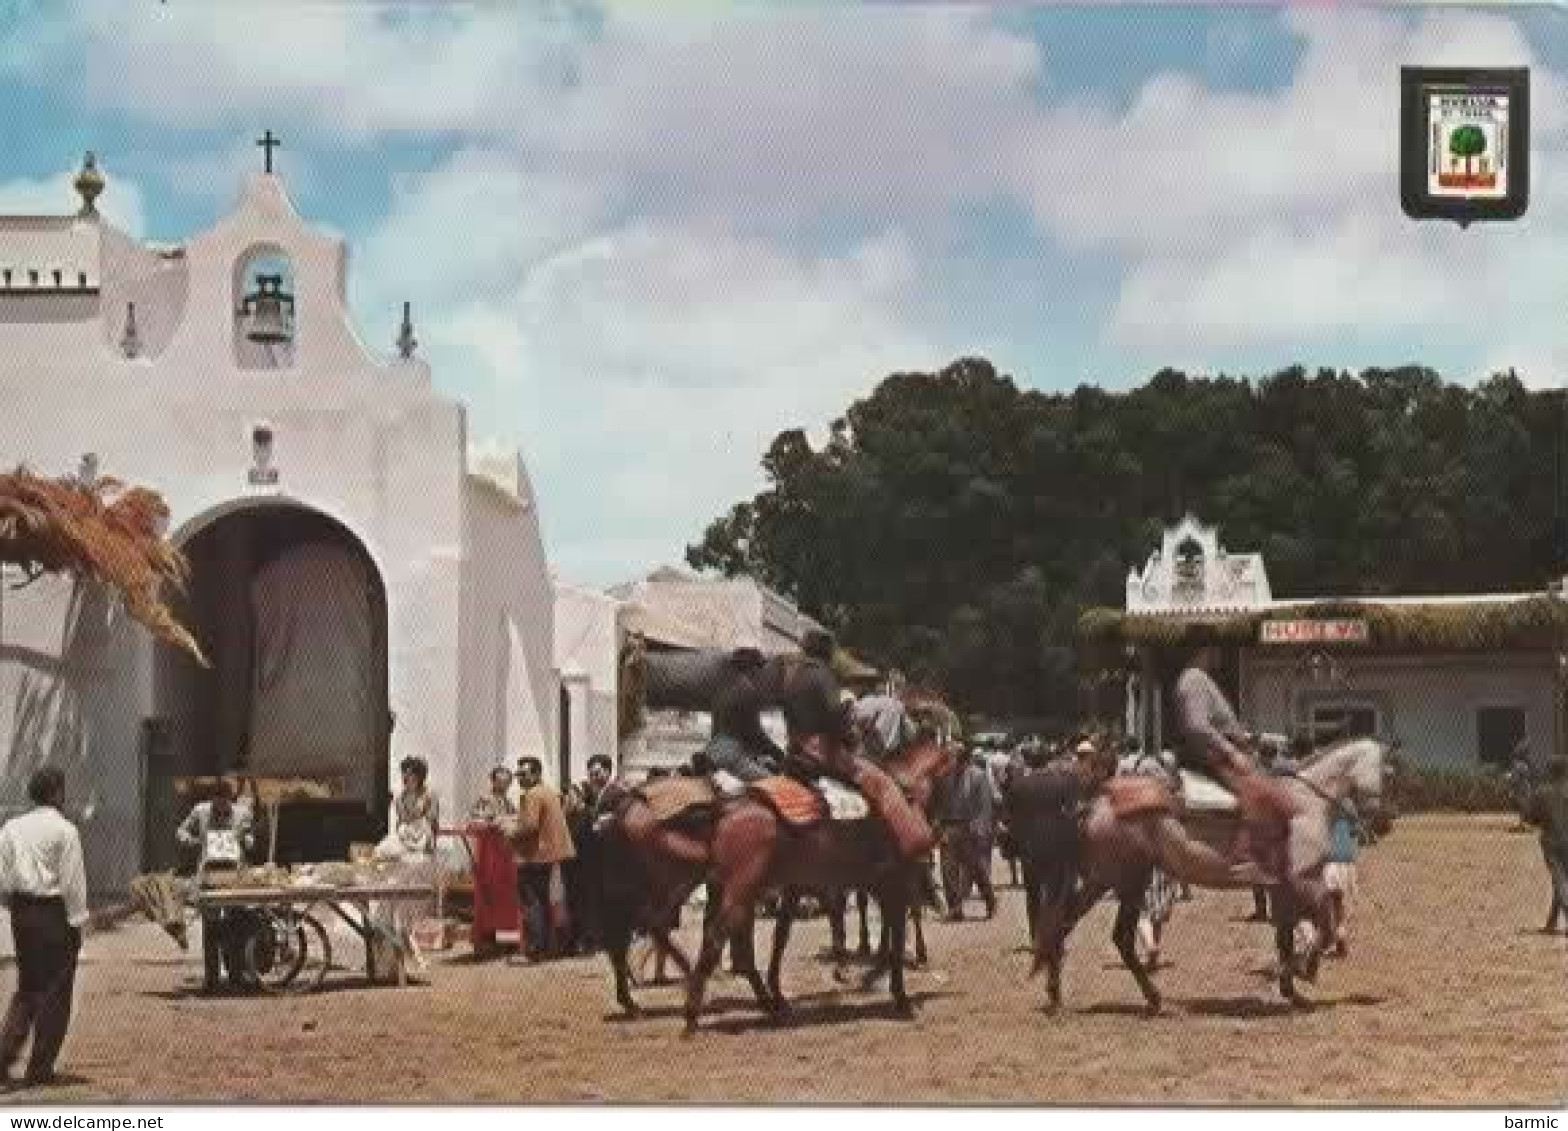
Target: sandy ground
(1449,997)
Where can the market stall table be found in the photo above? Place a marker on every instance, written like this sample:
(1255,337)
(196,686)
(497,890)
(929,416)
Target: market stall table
(349,903)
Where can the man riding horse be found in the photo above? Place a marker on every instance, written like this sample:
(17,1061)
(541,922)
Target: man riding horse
(1214,742)
(739,745)
(822,740)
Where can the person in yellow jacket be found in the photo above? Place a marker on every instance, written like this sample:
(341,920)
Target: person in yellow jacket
(543,842)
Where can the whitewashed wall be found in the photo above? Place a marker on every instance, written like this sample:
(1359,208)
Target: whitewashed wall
(359,438)
(587,653)
(1428,702)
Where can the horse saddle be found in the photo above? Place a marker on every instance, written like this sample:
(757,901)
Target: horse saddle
(672,798)
(804,806)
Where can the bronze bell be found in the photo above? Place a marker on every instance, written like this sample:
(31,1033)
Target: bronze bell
(269,312)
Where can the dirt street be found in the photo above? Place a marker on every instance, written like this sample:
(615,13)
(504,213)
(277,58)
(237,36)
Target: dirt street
(1449,997)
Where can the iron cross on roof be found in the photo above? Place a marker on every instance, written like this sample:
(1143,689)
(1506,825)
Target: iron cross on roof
(269,143)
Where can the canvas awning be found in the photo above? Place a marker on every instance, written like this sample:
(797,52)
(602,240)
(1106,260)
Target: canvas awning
(661,628)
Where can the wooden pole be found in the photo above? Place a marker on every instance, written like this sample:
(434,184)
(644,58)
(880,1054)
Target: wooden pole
(272,834)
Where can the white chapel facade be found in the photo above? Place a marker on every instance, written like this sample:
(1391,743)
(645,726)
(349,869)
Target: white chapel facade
(365,588)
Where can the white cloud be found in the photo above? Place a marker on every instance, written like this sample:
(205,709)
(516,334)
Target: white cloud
(676,355)
(120,204)
(647,367)
(353,69)
(788,110)
(1273,219)
(618,263)
(471,225)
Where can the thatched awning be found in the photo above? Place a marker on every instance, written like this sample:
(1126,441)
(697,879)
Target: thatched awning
(1531,623)
(102,532)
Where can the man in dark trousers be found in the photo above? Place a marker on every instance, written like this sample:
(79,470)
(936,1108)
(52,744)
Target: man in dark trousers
(45,883)
(220,834)
(1548,811)
(968,834)
(581,875)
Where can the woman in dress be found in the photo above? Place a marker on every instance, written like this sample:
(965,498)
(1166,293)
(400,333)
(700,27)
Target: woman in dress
(410,844)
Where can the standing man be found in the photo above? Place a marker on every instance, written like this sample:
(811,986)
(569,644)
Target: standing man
(1521,783)
(582,873)
(544,843)
(45,881)
(1549,812)
(220,833)
(884,726)
(968,835)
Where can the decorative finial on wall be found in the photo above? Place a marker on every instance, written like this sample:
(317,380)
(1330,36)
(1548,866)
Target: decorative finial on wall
(130,340)
(89,185)
(406,342)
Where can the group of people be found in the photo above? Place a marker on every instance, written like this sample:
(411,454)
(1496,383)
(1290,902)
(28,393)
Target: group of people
(544,844)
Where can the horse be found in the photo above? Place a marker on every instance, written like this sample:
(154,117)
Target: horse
(924,896)
(754,852)
(1083,849)
(649,869)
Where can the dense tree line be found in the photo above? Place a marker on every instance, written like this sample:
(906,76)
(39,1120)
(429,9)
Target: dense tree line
(955,525)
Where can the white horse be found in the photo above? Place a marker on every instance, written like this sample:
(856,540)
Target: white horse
(1083,849)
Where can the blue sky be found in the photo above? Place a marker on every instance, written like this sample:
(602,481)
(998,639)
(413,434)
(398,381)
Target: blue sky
(641,239)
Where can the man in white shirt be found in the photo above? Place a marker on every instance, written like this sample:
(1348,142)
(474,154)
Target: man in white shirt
(45,883)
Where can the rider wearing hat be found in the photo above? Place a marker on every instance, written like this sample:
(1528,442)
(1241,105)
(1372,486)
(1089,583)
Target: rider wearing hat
(822,740)
(739,745)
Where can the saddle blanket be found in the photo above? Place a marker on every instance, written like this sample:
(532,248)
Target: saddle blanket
(1131,795)
(670,798)
(804,806)
(1202,794)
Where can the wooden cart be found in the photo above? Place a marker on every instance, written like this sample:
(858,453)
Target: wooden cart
(291,948)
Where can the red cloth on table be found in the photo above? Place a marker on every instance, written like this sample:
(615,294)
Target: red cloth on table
(495,885)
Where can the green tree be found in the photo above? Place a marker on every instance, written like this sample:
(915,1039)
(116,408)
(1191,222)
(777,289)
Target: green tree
(1467,143)
(955,525)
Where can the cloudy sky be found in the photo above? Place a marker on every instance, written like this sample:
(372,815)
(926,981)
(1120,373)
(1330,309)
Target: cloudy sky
(643,238)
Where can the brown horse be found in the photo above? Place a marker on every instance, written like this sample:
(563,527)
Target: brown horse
(838,918)
(754,852)
(649,868)
(1083,849)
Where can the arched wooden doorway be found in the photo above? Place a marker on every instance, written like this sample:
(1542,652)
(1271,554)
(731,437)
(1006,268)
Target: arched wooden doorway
(291,610)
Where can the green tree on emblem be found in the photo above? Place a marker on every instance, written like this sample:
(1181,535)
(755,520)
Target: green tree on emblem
(1467,143)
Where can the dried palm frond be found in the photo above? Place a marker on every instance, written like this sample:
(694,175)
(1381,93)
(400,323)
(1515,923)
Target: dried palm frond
(103,532)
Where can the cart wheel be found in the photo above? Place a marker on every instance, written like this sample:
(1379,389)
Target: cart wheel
(275,951)
(288,950)
(270,951)
(315,953)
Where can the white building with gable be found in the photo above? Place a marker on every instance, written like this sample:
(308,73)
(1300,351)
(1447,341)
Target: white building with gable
(365,589)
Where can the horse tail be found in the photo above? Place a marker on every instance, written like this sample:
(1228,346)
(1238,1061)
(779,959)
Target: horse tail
(1046,810)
